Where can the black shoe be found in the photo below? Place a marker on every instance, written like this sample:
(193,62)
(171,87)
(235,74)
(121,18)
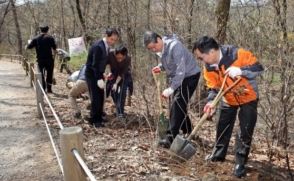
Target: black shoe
(77,115)
(49,92)
(239,171)
(104,114)
(98,124)
(212,158)
(166,142)
(104,120)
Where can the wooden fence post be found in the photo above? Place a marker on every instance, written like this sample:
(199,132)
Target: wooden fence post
(39,94)
(70,138)
(26,67)
(31,68)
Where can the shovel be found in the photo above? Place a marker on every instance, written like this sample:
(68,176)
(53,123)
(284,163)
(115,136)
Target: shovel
(182,147)
(162,123)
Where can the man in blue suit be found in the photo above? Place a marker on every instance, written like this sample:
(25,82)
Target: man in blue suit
(96,64)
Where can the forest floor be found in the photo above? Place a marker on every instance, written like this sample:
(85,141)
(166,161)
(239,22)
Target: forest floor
(119,152)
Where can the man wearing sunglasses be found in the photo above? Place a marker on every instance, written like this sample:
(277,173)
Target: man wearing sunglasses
(181,67)
(220,60)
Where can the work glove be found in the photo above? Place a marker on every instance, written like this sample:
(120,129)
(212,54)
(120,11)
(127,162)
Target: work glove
(167,92)
(233,72)
(110,76)
(114,86)
(156,70)
(209,109)
(101,83)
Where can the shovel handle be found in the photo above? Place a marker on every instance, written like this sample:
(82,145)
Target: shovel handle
(157,82)
(214,102)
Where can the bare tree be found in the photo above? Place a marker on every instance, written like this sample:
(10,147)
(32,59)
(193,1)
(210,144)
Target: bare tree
(222,14)
(5,10)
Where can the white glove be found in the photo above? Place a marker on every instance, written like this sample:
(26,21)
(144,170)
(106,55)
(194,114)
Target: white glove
(110,76)
(233,72)
(167,92)
(101,84)
(209,109)
(156,70)
(114,86)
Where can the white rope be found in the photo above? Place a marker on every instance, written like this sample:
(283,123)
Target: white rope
(51,139)
(82,163)
(49,103)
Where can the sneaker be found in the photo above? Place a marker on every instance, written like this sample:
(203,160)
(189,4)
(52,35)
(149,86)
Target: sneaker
(121,116)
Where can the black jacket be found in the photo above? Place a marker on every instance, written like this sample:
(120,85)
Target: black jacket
(97,58)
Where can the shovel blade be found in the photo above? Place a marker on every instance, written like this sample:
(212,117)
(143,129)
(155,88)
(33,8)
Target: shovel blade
(182,148)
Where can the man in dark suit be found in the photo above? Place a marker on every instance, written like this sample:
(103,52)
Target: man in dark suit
(96,64)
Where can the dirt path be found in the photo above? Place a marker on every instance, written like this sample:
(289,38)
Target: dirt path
(25,148)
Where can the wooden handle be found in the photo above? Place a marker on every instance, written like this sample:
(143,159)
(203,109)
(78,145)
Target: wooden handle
(214,102)
(158,92)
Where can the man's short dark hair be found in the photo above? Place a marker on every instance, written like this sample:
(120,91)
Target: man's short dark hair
(111,31)
(150,37)
(44,29)
(205,43)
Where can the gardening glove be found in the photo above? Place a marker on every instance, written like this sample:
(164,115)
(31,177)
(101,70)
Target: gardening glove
(209,109)
(233,72)
(101,83)
(114,87)
(167,92)
(156,70)
(110,76)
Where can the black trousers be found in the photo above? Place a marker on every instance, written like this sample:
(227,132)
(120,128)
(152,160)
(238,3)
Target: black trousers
(46,66)
(179,118)
(247,119)
(63,64)
(96,96)
(120,95)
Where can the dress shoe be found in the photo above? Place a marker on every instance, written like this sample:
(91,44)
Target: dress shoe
(211,158)
(104,114)
(239,171)
(98,124)
(77,115)
(104,120)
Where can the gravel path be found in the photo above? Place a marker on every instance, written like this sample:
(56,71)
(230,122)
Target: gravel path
(25,148)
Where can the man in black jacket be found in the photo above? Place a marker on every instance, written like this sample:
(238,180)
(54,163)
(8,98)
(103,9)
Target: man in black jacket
(96,64)
(44,45)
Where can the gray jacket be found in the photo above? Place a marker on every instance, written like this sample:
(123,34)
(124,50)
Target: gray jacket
(177,61)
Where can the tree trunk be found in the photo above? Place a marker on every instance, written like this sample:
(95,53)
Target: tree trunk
(190,25)
(109,13)
(63,26)
(222,12)
(18,32)
(82,20)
